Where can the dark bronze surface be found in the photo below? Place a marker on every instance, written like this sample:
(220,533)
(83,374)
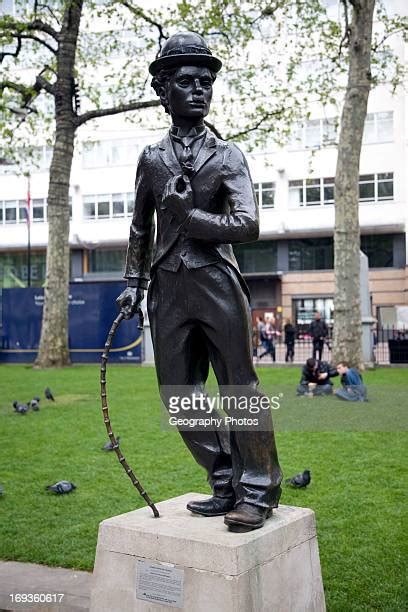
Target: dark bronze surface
(200,190)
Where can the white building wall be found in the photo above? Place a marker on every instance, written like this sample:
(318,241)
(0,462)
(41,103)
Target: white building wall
(278,166)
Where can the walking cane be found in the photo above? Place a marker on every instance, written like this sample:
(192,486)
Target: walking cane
(105,411)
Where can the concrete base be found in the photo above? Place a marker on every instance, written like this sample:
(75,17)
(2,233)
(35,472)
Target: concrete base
(195,564)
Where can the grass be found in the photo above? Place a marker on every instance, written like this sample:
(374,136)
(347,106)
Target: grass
(358,488)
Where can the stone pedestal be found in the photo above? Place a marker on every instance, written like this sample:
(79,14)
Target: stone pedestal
(195,564)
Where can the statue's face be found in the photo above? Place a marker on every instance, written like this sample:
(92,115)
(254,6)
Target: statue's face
(189,93)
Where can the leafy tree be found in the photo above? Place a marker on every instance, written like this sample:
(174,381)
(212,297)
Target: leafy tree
(48,44)
(281,58)
(360,44)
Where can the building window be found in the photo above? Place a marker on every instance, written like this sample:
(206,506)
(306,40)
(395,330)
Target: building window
(97,207)
(108,206)
(11,211)
(118,152)
(89,207)
(366,186)
(261,256)
(118,205)
(265,194)
(329,131)
(107,260)
(316,133)
(378,127)
(41,158)
(14,211)
(304,309)
(39,208)
(313,195)
(130,203)
(312,134)
(379,250)
(376,187)
(22,211)
(318,191)
(385,186)
(311,254)
(328,190)
(296,197)
(103,207)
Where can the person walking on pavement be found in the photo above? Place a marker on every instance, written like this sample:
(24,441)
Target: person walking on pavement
(268,343)
(290,335)
(319,332)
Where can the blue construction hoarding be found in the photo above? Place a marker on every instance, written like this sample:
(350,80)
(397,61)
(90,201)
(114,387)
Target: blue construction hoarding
(92,309)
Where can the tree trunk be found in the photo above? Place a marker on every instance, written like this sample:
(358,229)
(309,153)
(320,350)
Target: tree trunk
(347,314)
(53,349)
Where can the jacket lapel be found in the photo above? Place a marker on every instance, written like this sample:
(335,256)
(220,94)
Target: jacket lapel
(168,156)
(207,150)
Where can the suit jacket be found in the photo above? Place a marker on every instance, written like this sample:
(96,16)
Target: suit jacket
(225,209)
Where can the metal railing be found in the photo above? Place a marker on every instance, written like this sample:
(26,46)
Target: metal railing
(390,346)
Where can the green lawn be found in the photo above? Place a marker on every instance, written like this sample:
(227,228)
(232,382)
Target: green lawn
(358,488)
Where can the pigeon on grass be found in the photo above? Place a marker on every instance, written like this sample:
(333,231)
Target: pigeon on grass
(61,487)
(300,481)
(109,446)
(48,394)
(20,408)
(35,404)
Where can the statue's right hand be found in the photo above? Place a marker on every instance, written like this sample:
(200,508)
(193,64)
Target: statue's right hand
(129,301)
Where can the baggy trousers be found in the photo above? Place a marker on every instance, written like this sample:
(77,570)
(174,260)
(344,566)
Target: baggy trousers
(201,316)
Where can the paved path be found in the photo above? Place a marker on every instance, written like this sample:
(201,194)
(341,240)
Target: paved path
(30,578)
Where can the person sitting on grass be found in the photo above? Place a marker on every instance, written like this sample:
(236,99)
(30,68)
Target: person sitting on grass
(352,389)
(315,379)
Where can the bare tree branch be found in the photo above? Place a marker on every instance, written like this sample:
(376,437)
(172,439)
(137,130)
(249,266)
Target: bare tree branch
(42,83)
(41,41)
(268,11)
(384,38)
(21,89)
(12,53)
(121,108)
(20,27)
(37,24)
(345,41)
(217,33)
(257,125)
(214,130)
(45,6)
(21,35)
(28,94)
(137,11)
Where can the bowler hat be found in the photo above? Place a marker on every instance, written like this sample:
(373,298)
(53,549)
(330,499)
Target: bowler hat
(185,48)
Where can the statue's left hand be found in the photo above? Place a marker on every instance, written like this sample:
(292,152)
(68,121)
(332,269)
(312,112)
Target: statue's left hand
(129,301)
(178,197)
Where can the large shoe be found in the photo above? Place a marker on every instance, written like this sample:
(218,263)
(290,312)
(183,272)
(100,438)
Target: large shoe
(246,517)
(214,506)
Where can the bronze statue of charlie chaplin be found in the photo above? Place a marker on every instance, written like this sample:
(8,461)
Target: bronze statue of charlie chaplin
(198,303)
